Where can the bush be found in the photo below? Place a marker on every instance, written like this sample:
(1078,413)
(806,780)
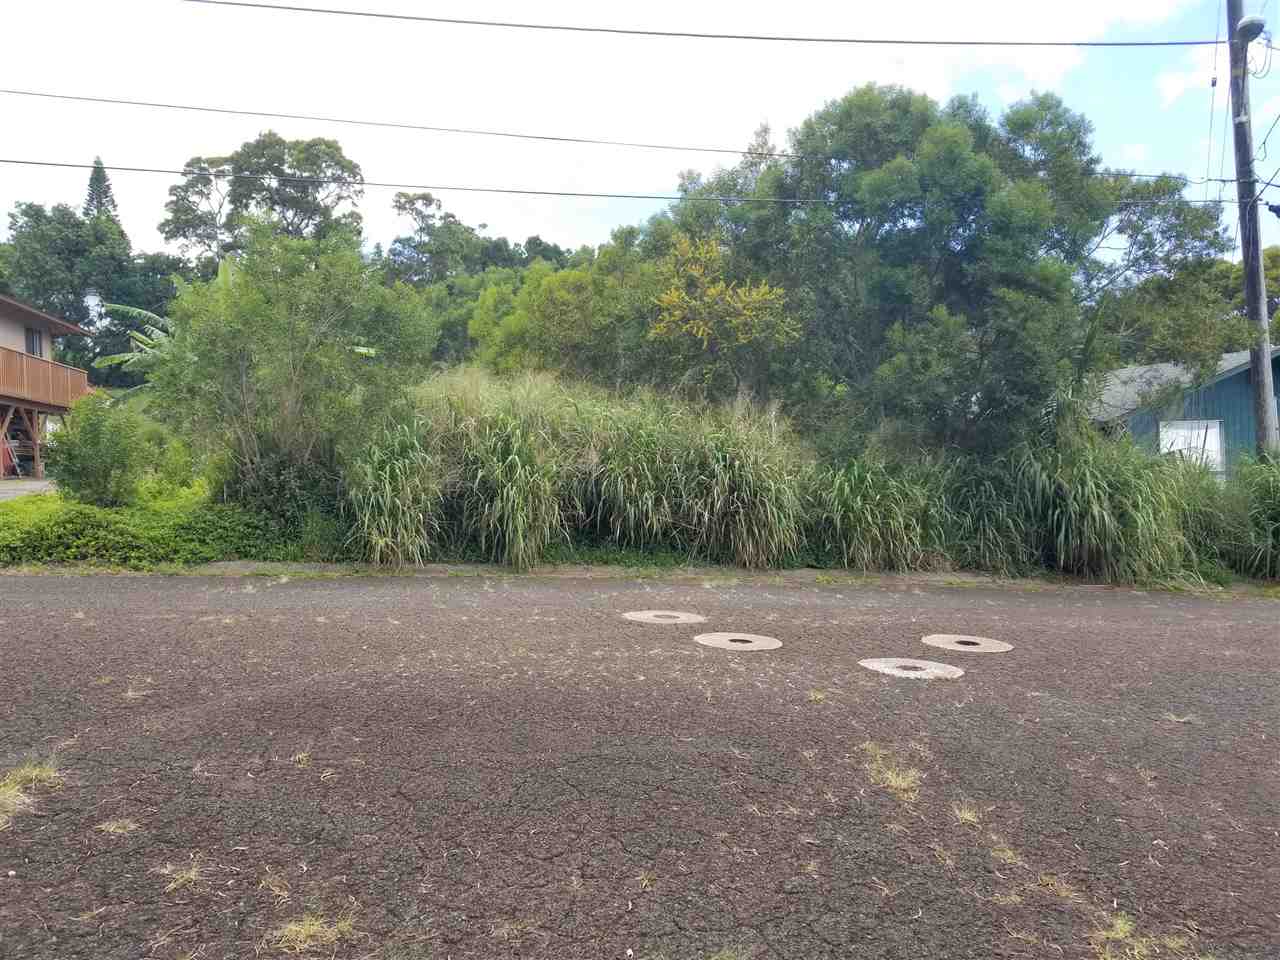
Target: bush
(182,531)
(99,455)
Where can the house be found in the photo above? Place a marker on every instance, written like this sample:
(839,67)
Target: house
(32,386)
(1162,408)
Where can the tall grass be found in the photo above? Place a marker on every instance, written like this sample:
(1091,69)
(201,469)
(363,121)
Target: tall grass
(515,470)
(1253,502)
(871,518)
(394,495)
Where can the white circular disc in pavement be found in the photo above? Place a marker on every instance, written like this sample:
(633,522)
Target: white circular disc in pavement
(738,641)
(955,641)
(912,669)
(664,616)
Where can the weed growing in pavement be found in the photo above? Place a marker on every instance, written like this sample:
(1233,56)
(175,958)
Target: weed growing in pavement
(180,877)
(277,885)
(886,770)
(817,696)
(1058,887)
(1119,939)
(942,856)
(313,930)
(1005,853)
(966,813)
(17,785)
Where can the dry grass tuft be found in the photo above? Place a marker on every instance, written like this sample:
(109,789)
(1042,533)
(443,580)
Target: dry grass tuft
(1058,887)
(646,880)
(118,826)
(1120,940)
(886,770)
(301,759)
(34,774)
(16,786)
(966,813)
(312,930)
(817,696)
(942,856)
(278,886)
(1006,899)
(180,877)
(1005,853)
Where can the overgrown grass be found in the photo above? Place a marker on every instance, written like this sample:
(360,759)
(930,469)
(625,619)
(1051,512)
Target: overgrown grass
(531,470)
(517,471)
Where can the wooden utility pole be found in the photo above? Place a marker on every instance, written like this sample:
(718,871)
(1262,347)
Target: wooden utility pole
(1255,286)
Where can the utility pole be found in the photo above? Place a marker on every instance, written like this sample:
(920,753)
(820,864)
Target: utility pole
(1240,33)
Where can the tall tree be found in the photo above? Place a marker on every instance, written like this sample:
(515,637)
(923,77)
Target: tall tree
(293,344)
(56,257)
(100,201)
(307,187)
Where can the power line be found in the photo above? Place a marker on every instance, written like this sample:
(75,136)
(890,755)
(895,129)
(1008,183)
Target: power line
(593,141)
(219,175)
(1213,102)
(398,125)
(619,31)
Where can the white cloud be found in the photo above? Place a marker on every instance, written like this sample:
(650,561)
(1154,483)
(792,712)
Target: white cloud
(631,88)
(1202,64)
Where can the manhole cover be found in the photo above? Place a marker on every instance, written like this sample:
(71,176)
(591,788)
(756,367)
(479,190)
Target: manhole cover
(738,641)
(664,616)
(914,669)
(954,641)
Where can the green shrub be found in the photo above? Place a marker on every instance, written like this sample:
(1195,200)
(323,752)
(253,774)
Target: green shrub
(182,531)
(99,454)
(280,487)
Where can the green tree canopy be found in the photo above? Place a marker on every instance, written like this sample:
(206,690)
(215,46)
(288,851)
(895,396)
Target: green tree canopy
(100,200)
(292,348)
(307,186)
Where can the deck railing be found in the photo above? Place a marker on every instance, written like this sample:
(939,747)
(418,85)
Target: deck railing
(39,381)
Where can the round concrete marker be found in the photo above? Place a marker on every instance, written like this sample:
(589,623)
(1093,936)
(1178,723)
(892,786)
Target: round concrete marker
(738,641)
(963,644)
(664,616)
(912,669)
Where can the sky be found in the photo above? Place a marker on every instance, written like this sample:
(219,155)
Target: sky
(1150,108)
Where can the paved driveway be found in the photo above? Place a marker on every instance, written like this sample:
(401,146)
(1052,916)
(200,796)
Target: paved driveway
(475,767)
(9,489)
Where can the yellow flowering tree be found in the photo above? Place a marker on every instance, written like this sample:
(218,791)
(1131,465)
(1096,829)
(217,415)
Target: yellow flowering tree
(708,318)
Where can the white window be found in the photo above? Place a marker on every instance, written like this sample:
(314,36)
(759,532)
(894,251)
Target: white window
(1198,440)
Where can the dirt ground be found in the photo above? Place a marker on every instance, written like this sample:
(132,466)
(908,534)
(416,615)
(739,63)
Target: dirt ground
(478,766)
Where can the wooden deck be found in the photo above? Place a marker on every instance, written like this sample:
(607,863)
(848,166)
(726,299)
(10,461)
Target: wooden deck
(38,382)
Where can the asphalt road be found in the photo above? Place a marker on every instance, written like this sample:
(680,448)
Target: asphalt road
(478,766)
